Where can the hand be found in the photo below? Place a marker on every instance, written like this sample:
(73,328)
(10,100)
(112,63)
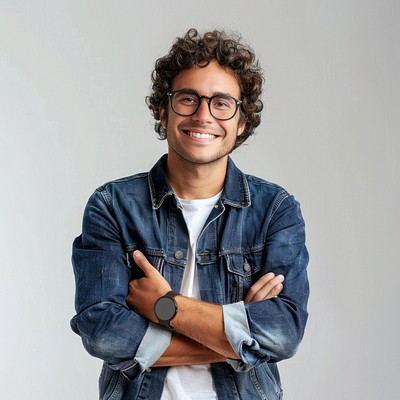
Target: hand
(144,292)
(266,287)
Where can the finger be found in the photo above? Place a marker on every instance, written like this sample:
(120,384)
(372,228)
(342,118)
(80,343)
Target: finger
(142,262)
(275,292)
(269,288)
(257,286)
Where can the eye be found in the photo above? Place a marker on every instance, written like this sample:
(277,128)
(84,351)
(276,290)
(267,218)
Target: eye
(221,103)
(186,99)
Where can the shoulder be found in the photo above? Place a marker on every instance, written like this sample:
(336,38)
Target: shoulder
(125,183)
(263,184)
(263,187)
(132,186)
(268,195)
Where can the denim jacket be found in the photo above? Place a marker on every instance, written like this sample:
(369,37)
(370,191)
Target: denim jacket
(256,227)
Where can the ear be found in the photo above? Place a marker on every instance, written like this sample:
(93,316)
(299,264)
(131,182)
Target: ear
(241,125)
(163,117)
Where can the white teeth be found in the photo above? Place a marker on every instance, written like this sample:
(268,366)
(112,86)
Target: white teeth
(199,135)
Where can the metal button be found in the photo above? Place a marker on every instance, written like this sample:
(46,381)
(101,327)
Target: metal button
(247,267)
(148,369)
(178,255)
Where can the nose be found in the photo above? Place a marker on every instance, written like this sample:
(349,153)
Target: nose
(203,112)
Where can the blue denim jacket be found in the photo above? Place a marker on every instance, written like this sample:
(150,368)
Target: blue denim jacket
(256,227)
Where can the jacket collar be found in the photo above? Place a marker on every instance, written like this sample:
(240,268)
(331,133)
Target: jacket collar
(235,193)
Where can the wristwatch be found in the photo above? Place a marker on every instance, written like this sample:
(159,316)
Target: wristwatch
(165,309)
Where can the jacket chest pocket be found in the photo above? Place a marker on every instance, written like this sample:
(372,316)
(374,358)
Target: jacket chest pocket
(155,258)
(243,271)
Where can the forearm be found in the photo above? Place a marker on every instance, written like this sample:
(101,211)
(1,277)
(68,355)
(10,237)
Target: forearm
(203,322)
(197,320)
(184,351)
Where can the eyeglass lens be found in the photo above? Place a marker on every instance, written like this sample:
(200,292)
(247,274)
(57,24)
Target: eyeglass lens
(220,106)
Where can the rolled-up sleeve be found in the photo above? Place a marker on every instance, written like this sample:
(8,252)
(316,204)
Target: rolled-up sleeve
(238,333)
(272,329)
(108,328)
(152,346)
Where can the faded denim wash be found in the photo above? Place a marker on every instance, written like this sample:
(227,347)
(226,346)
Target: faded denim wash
(256,227)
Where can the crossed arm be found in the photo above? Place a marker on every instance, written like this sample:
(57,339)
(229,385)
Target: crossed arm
(199,326)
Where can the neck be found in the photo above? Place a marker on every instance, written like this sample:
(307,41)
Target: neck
(196,181)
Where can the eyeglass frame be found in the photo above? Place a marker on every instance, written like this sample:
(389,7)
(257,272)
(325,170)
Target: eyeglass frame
(208,98)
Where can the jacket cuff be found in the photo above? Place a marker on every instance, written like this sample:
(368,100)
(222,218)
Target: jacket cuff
(152,347)
(238,333)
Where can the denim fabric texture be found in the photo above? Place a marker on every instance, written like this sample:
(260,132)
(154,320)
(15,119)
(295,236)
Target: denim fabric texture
(256,227)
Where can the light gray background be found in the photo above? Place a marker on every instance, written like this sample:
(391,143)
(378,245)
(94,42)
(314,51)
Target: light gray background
(73,77)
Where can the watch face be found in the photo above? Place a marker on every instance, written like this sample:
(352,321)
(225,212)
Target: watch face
(165,308)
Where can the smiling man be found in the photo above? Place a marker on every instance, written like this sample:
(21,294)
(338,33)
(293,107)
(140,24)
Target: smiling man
(191,279)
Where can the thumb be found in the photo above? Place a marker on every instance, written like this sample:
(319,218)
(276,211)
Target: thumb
(142,262)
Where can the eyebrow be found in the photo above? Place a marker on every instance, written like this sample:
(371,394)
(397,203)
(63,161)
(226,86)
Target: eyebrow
(190,90)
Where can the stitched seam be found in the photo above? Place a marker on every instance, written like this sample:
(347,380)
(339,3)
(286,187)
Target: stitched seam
(280,199)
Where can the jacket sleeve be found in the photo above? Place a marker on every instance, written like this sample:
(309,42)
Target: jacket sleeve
(271,330)
(108,328)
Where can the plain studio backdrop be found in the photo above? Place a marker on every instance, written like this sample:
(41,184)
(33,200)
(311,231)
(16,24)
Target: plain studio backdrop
(73,78)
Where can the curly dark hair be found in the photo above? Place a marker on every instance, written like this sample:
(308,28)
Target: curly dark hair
(194,49)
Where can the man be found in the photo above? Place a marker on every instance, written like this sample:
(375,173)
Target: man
(179,271)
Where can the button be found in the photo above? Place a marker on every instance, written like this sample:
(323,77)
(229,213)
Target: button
(148,369)
(247,267)
(178,255)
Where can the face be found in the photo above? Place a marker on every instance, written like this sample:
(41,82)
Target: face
(200,138)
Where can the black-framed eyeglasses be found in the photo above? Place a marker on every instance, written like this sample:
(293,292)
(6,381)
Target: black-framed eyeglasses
(187,102)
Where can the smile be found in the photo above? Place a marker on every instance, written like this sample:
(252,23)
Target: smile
(199,135)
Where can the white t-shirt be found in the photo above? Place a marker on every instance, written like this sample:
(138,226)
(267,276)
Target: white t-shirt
(192,382)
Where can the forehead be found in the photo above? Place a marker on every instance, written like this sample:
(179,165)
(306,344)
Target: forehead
(208,80)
